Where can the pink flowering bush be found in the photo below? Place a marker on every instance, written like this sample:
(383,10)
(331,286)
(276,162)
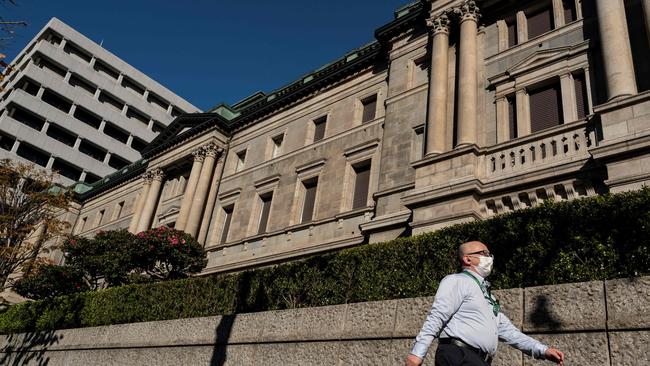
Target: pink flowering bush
(165,253)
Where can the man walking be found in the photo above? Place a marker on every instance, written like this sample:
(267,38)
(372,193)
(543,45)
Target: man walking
(465,318)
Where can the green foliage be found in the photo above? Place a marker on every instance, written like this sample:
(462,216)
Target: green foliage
(105,260)
(165,253)
(50,280)
(590,239)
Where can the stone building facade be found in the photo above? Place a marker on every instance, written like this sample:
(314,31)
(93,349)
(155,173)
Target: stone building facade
(69,105)
(460,110)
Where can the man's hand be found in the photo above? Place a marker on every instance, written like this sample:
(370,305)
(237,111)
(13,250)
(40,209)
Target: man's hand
(555,355)
(413,360)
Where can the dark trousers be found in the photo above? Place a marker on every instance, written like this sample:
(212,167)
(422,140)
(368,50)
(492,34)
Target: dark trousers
(452,355)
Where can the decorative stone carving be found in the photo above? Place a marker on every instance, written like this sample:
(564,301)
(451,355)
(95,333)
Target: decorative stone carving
(439,24)
(211,150)
(156,174)
(199,154)
(468,11)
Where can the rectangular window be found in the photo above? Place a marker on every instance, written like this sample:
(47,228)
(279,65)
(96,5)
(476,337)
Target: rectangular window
(158,101)
(545,107)
(117,162)
(241,160)
(66,169)
(512,116)
(29,86)
(540,22)
(138,145)
(106,98)
(100,216)
(91,178)
(132,85)
(87,117)
(227,211)
(61,134)
(27,118)
(569,7)
(76,51)
(77,81)
(56,101)
(92,150)
(512,33)
(45,63)
(116,133)
(277,145)
(135,114)
(581,95)
(32,154)
(361,183)
(310,200)
(118,210)
(319,128)
(369,109)
(102,67)
(264,215)
(6,141)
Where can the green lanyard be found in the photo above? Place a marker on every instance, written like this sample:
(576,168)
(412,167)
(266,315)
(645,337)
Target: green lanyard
(486,294)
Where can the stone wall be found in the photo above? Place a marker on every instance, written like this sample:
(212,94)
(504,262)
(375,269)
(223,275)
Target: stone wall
(594,323)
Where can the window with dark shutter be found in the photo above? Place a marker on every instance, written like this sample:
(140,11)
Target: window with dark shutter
(264,216)
(319,128)
(226,225)
(512,33)
(361,182)
(545,107)
(569,7)
(581,95)
(512,116)
(540,22)
(369,107)
(310,200)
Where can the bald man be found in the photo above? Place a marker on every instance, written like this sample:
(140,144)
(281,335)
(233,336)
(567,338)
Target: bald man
(467,321)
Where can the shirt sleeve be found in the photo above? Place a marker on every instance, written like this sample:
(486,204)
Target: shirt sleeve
(511,335)
(447,301)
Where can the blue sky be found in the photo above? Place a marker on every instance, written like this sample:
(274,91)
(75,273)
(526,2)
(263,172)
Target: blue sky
(214,51)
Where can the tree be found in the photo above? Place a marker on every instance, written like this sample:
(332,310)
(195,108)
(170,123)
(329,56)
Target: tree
(105,260)
(165,253)
(29,208)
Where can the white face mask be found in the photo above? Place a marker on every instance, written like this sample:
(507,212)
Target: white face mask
(484,267)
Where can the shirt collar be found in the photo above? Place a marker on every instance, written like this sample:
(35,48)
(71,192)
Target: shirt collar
(478,276)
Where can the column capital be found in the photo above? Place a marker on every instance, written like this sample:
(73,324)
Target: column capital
(211,150)
(199,154)
(438,24)
(157,174)
(468,11)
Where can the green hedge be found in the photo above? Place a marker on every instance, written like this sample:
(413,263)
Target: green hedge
(597,238)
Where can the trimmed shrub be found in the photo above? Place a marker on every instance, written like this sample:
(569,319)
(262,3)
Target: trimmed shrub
(48,280)
(598,238)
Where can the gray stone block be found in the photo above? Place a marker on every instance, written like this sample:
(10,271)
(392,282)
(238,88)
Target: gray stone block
(579,348)
(512,304)
(573,306)
(374,319)
(411,314)
(627,303)
(311,353)
(630,348)
(507,356)
(377,352)
(322,323)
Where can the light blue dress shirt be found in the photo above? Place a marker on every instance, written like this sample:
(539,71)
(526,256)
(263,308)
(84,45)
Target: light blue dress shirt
(461,311)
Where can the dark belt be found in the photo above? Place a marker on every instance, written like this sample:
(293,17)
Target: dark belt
(457,342)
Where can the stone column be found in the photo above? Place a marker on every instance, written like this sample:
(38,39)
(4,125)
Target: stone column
(212,200)
(184,213)
(137,212)
(615,44)
(468,77)
(437,107)
(569,105)
(523,112)
(201,192)
(646,13)
(151,200)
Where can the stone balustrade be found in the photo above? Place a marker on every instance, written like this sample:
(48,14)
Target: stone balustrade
(594,323)
(565,143)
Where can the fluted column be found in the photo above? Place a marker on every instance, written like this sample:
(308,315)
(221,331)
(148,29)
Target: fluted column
(202,187)
(137,212)
(437,107)
(467,72)
(212,200)
(186,203)
(152,200)
(615,44)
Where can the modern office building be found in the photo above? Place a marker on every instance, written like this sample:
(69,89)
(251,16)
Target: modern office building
(460,110)
(69,105)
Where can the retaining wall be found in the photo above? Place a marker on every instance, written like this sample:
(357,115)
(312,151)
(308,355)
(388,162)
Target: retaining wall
(594,323)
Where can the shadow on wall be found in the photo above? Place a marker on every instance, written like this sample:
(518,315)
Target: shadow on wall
(219,353)
(29,348)
(541,317)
